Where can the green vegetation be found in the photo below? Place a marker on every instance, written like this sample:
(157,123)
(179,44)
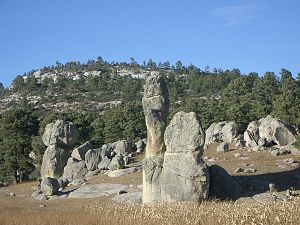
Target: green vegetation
(216,95)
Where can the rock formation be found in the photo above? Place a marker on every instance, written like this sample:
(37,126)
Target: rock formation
(185,176)
(156,106)
(60,137)
(269,131)
(221,132)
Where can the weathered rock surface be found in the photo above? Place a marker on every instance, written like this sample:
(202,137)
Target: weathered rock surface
(49,186)
(185,176)
(54,161)
(222,185)
(74,170)
(79,152)
(156,107)
(221,132)
(60,133)
(92,159)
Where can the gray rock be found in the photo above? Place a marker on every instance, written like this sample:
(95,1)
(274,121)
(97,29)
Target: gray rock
(274,130)
(250,170)
(265,198)
(221,132)
(92,159)
(122,172)
(223,147)
(54,161)
(289,160)
(140,145)
(244,200)
(262,142)
(238,170)
(185,176)
(251,135)
(79,152)
(156,107)
(122,147)
(97,190)
(103,165)
(49,186)
(106,151)
(92,173)
(126,160)
(61,133)
(272,187)
(192,139)
(75,170)
(222,185)
(133,197)
(116,163)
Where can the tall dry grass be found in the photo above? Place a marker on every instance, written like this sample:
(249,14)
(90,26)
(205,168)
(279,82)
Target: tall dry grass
(209,213)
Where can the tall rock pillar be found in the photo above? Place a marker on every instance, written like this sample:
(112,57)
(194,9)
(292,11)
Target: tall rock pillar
(156,107)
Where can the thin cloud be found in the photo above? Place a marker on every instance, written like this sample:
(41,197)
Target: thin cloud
(234,15)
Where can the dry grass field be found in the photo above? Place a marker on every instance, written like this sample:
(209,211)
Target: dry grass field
(22,209)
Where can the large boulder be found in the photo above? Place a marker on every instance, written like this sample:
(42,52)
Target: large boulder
(79,152)
(92,159)
(222,185)
(156,107)
(269,131)
(54,160)
(74,170)
(117,163)
(276,131)
(221,132)
(185,176)
(60,133)
(49,186)
(122,147)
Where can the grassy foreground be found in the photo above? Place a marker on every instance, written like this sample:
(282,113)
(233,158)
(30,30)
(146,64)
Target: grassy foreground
(209,213)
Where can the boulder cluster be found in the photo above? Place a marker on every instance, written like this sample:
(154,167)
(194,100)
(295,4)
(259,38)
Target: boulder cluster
(266,134)
(64,163)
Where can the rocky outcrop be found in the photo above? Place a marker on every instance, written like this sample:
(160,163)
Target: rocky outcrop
(156,107)
(60,137)
(221,132)
(185,176)
(269,131)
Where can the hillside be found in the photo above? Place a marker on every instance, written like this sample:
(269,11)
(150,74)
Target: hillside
(104,101)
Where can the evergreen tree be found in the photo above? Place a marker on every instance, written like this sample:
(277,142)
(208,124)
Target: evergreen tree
(17,128)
